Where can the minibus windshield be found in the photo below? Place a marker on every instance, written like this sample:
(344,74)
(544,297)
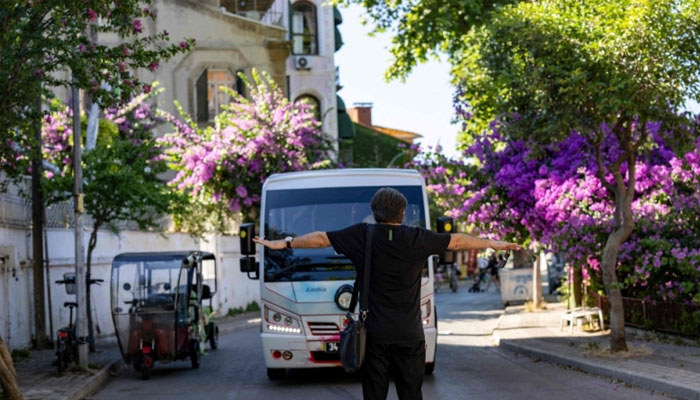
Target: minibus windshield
(295,212)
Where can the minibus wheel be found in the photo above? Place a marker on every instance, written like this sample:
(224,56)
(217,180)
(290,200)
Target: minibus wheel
(275,374)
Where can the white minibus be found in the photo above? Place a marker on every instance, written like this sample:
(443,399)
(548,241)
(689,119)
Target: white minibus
(304,293)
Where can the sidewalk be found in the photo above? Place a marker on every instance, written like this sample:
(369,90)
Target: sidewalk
(39,380)
(657,362)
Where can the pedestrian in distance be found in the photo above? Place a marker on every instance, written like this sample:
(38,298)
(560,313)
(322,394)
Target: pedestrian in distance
(395,339)
(493,266)
(483,269)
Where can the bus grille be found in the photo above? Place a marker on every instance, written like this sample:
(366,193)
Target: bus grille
(324,328)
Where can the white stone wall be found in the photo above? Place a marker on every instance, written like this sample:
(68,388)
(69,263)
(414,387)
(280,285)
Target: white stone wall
(16,301)
(319,81)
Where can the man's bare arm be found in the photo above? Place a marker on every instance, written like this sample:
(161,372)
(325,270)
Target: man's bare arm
(308,241)
(461,241)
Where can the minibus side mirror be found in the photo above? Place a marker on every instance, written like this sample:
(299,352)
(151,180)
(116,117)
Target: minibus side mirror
(249,265)
(446,225)
(206,292)
(246,235)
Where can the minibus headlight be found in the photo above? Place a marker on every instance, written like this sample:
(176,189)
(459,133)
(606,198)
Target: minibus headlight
(277,321)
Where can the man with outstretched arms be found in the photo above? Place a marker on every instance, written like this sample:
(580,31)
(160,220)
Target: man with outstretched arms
(395,337)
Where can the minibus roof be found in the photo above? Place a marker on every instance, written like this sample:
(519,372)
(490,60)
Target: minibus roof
(347,177)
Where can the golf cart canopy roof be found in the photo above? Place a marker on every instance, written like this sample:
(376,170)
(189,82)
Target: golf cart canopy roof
(162,255)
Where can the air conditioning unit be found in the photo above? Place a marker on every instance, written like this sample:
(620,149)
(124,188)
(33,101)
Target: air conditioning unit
(302,62)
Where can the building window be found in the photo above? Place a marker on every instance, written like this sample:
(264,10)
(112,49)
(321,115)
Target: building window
(313,102)
(209,96)
(304,29)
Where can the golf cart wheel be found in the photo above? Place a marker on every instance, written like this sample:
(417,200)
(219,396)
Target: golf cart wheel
(61,362)
(275,374)
(145,372)
(213,336)
(195,356)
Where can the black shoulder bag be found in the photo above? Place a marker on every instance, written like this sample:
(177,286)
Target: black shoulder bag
(354,338)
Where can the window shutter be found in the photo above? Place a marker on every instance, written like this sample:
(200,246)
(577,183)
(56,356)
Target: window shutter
(202,101)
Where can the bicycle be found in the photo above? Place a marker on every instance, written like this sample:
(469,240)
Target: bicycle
(66,339)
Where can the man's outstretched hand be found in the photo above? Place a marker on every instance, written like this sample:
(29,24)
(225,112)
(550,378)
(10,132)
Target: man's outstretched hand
(499,245)
(271,244)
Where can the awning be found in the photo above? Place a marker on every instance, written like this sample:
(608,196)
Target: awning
(338,39)
(341,104)
(337,17)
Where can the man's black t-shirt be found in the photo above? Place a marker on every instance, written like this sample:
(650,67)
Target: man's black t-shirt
(399,254)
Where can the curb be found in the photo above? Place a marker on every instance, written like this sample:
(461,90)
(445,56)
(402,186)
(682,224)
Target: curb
(637,379)
(96,382)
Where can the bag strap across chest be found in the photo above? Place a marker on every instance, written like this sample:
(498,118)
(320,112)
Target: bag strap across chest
(364,295)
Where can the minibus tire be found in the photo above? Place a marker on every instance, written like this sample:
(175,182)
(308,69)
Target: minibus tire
(275,374)
(430,367)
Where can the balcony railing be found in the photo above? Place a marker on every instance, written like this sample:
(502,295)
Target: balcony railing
(269,12)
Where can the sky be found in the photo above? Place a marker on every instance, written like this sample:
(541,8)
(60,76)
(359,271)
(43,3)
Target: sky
(422,104)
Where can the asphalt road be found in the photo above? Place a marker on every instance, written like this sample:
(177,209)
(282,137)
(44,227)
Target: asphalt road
(468,367)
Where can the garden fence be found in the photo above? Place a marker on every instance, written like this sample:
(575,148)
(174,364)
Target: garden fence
(661,316)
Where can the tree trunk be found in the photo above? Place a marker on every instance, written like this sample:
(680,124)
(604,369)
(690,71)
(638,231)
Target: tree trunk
(622,193)
(522,259)
(88,301)
(577,286)
(7,358)
(38,237)
(537,282)
(618,340)
(8,375)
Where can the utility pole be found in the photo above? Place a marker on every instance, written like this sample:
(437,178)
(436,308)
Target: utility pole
(80,278)
(537,280)
(38,235)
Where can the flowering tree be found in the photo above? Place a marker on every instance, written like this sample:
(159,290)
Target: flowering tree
(519,190)
(42,40)
(120,173)
(221,168)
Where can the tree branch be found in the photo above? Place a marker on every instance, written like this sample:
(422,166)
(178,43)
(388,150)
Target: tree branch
(600,173)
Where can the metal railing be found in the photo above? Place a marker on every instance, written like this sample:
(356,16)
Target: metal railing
(16,212)
(661,316)
(269,12)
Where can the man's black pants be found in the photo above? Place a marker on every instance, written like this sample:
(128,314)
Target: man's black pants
(405,362)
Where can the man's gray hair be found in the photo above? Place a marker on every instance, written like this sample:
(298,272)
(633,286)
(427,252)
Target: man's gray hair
(388,206)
